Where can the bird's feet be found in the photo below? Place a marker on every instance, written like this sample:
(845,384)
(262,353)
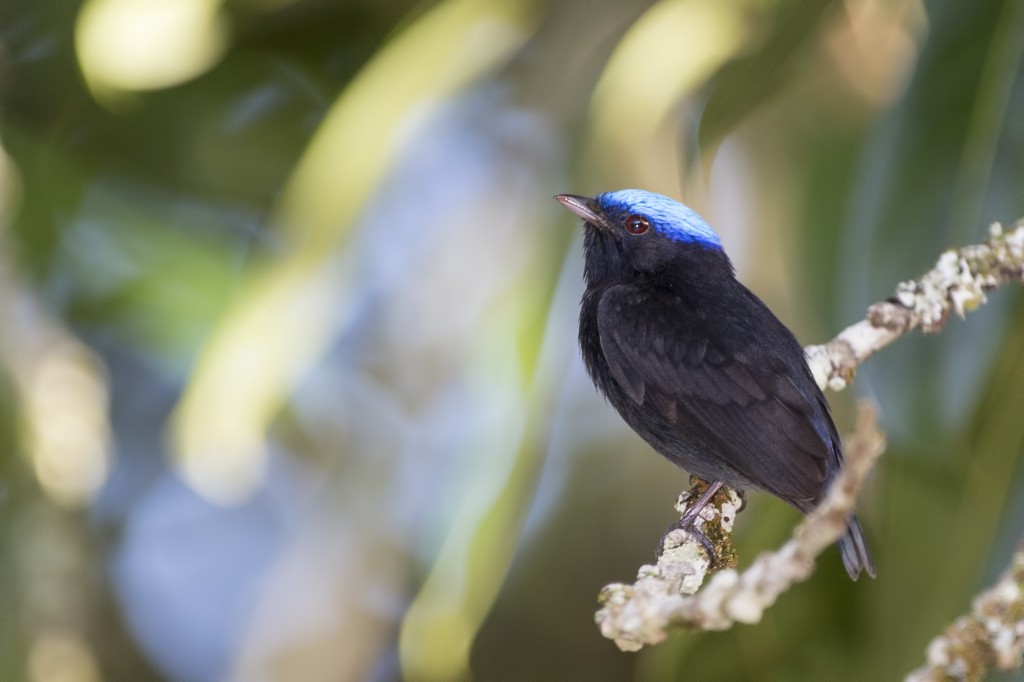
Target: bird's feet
(688,526)
(688,520)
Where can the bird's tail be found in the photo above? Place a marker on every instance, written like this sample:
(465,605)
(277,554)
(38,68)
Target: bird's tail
(855,553)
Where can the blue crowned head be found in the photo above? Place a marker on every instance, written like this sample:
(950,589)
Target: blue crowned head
(668,217)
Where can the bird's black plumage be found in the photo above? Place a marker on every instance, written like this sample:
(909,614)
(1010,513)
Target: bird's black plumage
(695,363)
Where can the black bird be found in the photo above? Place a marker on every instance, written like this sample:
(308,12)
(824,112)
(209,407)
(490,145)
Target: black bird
(698,365)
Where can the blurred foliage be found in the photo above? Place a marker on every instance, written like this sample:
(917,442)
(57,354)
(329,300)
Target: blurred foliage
(287,322)
(750,79)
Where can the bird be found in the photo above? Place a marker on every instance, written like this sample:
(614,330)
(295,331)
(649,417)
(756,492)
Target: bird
(696,364)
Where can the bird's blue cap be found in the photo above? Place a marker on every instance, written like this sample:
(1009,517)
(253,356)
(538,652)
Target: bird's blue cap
(669,217)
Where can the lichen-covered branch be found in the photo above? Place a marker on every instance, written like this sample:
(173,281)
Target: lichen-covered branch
(957,283)
(643,613)
(991,636)
(639,614)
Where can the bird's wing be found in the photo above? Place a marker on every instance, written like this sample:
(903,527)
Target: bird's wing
(736,396)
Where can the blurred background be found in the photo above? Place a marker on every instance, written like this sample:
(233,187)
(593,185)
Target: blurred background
(289,383)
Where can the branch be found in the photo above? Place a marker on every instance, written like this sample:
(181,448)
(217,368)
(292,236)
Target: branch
(643,613)
(957,283)
(991,636)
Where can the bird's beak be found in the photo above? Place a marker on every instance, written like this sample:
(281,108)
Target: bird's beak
(584,207)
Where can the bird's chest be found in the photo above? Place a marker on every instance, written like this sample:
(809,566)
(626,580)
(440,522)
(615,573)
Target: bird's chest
(590,344)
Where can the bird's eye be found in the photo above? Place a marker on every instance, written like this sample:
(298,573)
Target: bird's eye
(637,224)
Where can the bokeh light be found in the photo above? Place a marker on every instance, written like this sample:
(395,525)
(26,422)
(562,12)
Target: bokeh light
(129,45)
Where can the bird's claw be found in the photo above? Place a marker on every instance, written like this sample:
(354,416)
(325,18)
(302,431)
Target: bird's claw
(687,521)
(687,525)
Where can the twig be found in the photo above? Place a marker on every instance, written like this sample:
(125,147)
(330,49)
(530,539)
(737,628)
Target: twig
(992,635)
(957,283)
(643,613)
